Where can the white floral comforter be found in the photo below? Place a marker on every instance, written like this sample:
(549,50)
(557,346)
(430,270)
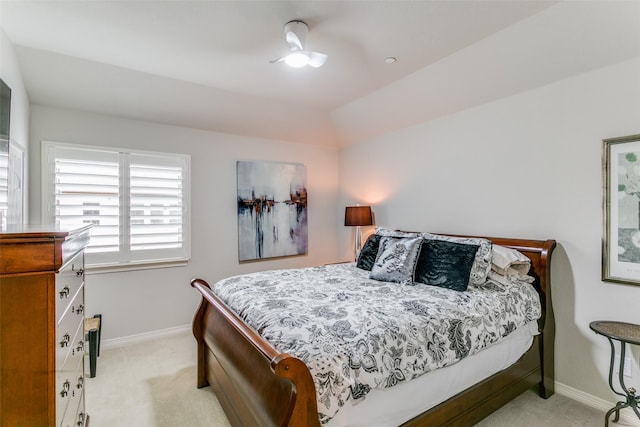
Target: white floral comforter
(356,334)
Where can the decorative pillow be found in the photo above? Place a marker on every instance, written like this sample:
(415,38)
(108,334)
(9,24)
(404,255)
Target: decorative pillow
(396,260)
(482,263)
(381,231)
(445,264)
(369,252)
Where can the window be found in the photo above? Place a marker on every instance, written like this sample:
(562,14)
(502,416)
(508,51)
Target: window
(137,202)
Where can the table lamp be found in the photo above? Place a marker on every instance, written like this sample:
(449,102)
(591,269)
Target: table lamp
(357,216)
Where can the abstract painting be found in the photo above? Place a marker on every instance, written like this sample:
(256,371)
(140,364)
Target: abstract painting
(272,210)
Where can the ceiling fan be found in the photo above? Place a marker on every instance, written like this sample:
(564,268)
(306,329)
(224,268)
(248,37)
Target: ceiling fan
(296,32)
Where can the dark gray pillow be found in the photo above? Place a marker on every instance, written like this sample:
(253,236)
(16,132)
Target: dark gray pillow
(482,264)
(369,251)
(396,260)
(445,264)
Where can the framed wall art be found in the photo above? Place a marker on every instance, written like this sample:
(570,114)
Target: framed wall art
(272,210)
(621,237)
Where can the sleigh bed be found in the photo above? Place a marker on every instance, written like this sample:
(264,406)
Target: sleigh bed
(259,386)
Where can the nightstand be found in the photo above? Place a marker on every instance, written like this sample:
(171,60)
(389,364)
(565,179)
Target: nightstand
(625,333)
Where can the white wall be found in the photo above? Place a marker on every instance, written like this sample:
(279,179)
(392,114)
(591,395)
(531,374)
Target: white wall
(19,127)
(150,300)
(525,166)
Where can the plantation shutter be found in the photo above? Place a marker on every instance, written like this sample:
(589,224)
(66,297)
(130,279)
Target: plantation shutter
(87,191)
(156,202)
(136,202)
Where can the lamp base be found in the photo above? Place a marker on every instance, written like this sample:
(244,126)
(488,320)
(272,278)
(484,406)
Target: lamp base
(356,249)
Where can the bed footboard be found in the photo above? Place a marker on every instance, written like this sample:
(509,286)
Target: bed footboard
(255,384)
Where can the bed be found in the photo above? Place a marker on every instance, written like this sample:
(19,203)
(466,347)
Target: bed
(260,386)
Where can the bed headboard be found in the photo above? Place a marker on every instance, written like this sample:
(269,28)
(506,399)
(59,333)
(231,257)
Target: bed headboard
(539,252)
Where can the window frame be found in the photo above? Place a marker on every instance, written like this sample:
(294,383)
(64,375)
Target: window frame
(124,259)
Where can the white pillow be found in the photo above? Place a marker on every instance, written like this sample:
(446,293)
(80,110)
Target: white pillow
(511,277)
(507,261)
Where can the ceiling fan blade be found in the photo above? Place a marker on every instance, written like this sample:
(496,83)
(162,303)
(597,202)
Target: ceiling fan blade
(317,59)
(295,44)
(295,33)
(275,61)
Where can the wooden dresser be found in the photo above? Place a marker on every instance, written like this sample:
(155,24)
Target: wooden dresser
(41,326)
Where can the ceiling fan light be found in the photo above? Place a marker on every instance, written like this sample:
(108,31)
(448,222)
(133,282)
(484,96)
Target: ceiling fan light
(297,59)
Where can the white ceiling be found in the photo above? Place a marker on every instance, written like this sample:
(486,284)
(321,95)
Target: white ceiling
(205,64)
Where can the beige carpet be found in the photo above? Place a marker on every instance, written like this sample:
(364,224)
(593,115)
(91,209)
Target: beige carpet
(154,384)
(151,384)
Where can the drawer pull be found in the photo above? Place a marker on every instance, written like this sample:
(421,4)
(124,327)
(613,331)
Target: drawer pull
(79,310)
(65,340)
(80,346)
(80,272)
(80,419)
(80,382)
(64,293)
(65,388)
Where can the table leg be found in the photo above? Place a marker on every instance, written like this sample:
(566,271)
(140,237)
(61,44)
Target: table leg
(631,401)
(612,365)
(606,417)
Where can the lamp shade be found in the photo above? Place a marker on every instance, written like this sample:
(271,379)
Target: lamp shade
(358,215)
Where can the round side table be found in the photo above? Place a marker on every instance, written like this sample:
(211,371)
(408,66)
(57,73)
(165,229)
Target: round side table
(625,333)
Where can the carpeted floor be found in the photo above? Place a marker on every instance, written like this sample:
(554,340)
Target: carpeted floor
(154,384)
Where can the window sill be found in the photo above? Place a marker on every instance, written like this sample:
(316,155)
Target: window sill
(133,266)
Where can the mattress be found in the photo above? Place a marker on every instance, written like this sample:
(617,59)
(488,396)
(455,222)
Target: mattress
(390,407)
(359,335)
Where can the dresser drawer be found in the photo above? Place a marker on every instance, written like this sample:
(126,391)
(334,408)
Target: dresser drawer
(81,418)
(71,346)
(68,281)
(75,417)
(70,404)
(68,324)
(69,373)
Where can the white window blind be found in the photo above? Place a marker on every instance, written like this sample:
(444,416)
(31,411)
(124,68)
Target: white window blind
(156,203)
(137,202)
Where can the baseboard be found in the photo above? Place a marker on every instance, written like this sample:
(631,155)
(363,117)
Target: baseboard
(627,416)
(133,339)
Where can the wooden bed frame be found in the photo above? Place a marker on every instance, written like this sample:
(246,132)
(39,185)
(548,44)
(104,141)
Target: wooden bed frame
(258,386)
